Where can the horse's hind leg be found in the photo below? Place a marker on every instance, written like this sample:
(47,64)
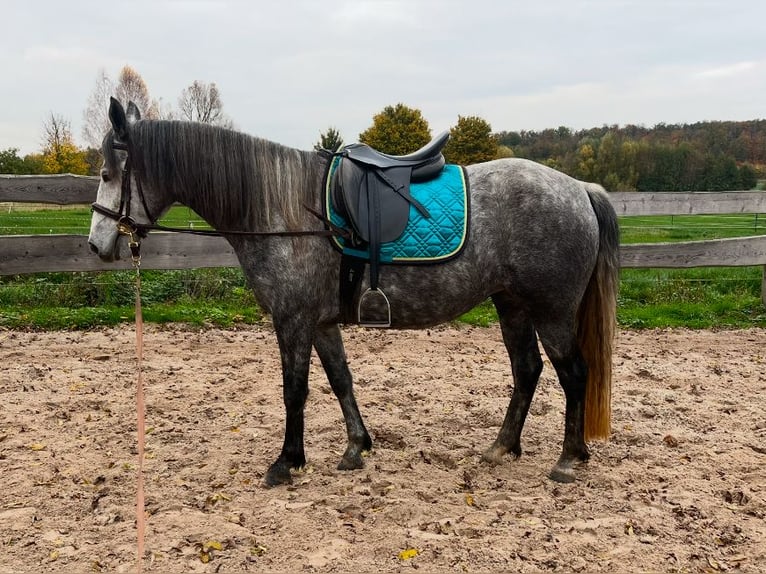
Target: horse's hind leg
(329,346)
(562,349)
(521,342)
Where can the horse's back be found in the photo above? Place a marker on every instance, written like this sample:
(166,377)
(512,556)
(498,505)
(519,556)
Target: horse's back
(524,188)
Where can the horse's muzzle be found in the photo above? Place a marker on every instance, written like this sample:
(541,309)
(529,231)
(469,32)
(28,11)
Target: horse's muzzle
(106,256)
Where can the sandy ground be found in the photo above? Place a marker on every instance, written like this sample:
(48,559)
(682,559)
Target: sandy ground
(681,487)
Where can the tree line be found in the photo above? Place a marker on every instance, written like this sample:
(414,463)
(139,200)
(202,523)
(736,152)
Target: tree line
(705,156)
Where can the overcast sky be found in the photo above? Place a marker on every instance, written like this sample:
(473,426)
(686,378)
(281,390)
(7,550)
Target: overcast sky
(288,70)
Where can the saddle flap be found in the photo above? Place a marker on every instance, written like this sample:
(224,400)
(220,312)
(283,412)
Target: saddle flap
(383,207)
(369,201)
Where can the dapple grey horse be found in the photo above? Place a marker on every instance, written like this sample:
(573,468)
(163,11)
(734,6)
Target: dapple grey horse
(543,246)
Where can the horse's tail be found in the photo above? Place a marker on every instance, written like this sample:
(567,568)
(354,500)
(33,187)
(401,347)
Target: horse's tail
(597,318)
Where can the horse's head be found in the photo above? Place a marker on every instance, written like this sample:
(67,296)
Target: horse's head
(120,201)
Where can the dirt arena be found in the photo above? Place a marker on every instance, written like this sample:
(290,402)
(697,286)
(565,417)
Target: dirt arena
(681,487)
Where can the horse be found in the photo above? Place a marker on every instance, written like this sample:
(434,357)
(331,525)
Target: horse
(542,245)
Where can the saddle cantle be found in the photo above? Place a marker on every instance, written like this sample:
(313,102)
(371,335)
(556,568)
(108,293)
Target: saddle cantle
(371,190)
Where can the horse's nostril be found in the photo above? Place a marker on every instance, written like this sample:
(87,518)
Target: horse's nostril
(93,247)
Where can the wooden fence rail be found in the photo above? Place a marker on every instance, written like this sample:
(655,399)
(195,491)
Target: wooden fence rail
(20,254)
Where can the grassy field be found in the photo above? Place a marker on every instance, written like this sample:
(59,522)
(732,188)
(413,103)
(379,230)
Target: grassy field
(696,298)
(15,221)
(701,297)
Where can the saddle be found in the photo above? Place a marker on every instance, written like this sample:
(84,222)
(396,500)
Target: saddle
(371,190)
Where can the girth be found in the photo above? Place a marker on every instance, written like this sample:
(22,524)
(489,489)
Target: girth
(371,190)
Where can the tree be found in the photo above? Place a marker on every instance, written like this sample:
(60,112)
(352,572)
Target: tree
(132,88)
(748,178)
(504,151)
(329,140)
(95,117)
(586,163)
(164,110)
(93,160)
(201,102)
(33,164)
(10,162)
(129,87)
(397,130)
(615,167)
(471,141)
(60,154)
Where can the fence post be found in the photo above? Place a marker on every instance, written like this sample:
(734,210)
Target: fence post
(763,287)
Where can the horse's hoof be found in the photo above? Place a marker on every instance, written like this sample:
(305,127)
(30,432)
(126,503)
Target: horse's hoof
(494,455)
(562,474)
(278,473)
(351,462)
(564,470)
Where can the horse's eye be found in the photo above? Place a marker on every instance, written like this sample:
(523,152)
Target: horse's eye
(105,176)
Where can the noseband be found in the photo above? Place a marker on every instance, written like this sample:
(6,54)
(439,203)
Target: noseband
(125,221)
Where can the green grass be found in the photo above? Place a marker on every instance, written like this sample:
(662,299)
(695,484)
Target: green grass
(85,300)
(77,220)
(672,228)
(694,298)
(699,297)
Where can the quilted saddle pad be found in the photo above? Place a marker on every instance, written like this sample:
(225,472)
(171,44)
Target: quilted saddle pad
(425,240)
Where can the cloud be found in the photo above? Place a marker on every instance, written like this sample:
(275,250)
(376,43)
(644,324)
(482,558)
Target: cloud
(377,14)
(68,58)
(727,71)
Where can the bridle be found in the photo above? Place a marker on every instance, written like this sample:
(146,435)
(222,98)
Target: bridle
(128,226)
(125,223)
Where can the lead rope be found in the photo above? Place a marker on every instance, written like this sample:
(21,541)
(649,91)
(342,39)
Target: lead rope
(135,252)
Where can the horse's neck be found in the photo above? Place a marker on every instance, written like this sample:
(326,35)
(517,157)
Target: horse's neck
(273,199)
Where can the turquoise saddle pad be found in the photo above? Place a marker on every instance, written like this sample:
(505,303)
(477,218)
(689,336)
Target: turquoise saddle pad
(424,240)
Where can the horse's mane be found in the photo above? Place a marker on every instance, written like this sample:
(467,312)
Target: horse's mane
(234,180)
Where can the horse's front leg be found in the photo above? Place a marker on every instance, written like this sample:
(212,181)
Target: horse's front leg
(295,338)
(329,346)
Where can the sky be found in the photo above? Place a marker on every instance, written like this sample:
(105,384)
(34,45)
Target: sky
(289,70)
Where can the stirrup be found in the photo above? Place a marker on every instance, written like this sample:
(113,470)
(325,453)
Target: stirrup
(373,322)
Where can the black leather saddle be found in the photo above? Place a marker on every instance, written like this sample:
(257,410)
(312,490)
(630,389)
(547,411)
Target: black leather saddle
(371,190)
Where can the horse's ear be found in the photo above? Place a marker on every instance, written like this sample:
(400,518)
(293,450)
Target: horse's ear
(118,118)
(133,112)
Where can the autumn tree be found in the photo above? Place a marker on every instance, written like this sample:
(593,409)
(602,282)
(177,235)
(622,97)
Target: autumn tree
(201,102)
(504,151)
(130,86)
(60,154)
(329,140)
(471,141)
(397,130)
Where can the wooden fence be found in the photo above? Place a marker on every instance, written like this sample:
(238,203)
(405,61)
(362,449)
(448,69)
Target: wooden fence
(20,254)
